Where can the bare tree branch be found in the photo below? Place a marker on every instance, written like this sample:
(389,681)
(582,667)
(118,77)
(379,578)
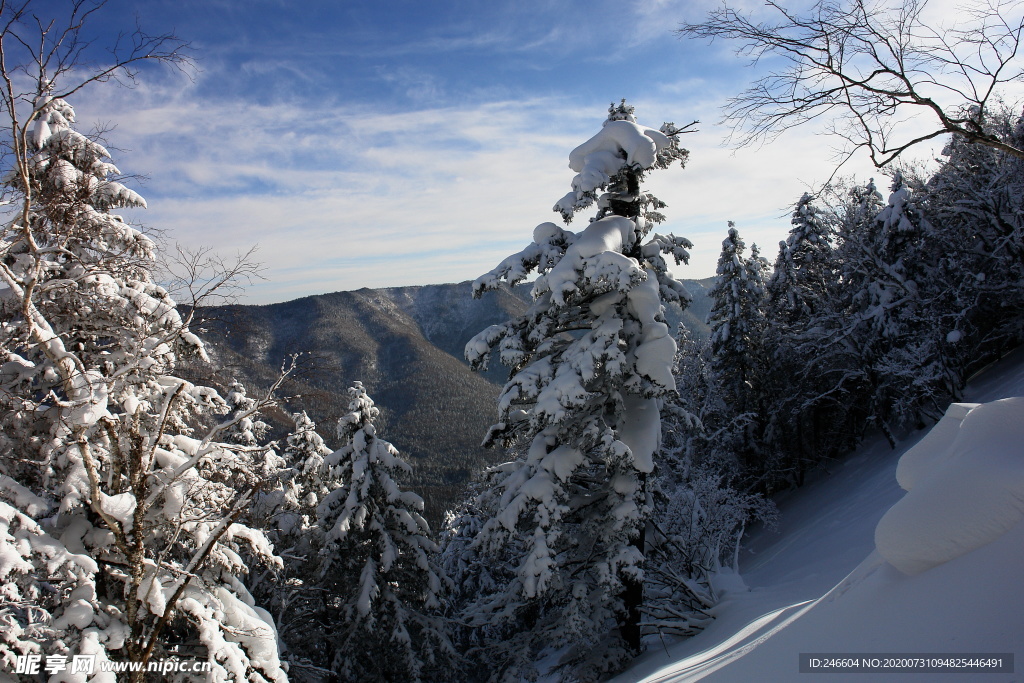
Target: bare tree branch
(198,277)
(861,63)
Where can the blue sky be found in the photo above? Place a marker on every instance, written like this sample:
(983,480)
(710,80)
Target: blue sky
(406,143)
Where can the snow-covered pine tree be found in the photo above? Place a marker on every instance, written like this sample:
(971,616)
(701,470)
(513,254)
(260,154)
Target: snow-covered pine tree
(739,360)
(293,592)
(828,389)
(684,414)
(259,460)
(377,561)
(591,360)
(477,569)
(305,456)
(804,276)
(117,545)
(737,323)
(697,424)
(249,430)
(471,572)
(885,266)
(977,198)
(758,274)
(802,291)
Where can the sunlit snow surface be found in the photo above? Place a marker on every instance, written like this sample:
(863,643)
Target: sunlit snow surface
(967,494)
(818,584)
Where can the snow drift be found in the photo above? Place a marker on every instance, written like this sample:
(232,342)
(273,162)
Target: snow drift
(960,497)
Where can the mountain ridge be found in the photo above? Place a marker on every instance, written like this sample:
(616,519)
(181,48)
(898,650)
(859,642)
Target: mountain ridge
(405,345)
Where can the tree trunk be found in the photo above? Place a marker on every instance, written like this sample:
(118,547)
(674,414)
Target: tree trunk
(633,593)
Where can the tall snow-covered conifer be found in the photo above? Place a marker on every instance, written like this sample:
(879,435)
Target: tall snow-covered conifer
(885,267)
(305,455)
(293,592)
(377,559)
(804,277)
(737,322)
(834,377)
(591,359)
(803,291)
(977,199)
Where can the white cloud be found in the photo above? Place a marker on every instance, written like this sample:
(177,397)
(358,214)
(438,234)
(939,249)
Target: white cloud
(339,196)
(343,197)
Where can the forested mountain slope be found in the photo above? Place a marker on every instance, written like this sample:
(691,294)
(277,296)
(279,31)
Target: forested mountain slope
(405,345)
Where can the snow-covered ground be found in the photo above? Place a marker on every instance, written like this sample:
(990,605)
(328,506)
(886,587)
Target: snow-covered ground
(817,584)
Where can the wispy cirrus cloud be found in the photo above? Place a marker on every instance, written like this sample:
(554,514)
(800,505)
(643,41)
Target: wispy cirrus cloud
(342,196)
(434,150)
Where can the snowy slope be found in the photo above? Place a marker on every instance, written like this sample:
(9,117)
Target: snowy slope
(818,584)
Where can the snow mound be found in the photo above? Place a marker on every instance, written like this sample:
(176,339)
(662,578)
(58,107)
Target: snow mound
(933,448)
(960,497)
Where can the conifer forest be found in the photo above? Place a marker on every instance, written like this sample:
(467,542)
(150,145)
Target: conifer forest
(571,479)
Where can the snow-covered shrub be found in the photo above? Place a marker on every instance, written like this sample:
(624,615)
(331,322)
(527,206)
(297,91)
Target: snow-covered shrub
(700,519)
(702,500)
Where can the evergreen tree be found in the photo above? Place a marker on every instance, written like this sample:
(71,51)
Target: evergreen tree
(292,592)
(801,293)
(305,455)
(737,323)
(481,573)
(591,361)
(248,429)
(697,398)
(834,382)
(977,197)
(260,462)
(119,544)
(376,561)
(739,361)
(804,277)
(885,268)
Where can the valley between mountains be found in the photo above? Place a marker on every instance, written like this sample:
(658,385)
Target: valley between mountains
(405,344)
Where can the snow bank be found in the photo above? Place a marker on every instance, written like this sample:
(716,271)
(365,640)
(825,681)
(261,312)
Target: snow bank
(963,497)
(933,448)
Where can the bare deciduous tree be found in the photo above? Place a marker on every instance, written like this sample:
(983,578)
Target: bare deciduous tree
(40,52)
(869,67)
